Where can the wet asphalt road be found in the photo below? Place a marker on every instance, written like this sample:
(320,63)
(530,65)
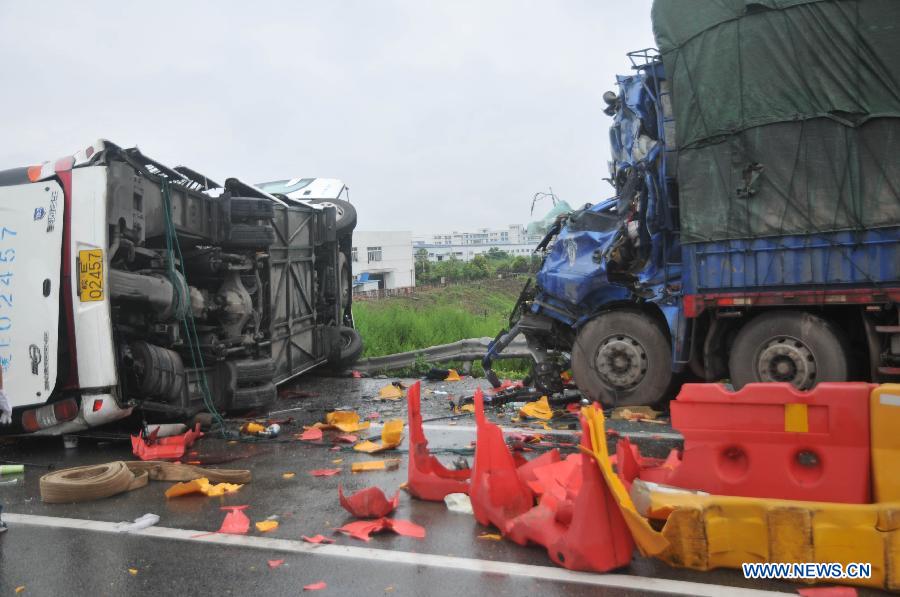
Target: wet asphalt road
(52,561)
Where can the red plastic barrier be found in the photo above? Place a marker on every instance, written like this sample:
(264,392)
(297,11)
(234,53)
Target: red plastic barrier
(427,478)
(771,440)
(496,492)
(167,448)
(597,539)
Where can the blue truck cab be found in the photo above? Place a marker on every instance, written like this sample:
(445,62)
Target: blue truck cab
(634,304)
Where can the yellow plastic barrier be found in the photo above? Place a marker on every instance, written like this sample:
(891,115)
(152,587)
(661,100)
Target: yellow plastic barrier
(706,532)
(885,438)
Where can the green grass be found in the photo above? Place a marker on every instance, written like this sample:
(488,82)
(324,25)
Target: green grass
(437,316)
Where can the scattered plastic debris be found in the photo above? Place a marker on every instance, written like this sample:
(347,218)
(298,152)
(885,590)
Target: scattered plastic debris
(252,428)
(324,472)
(316,586)
(201,485)
(491,536)
(368,503)
(458,502)
(362,529)
(133,571)
(143,522)
(345,420)
(311,434)
(317,539)
(265,526)
(452,375)
(391,437)
(274,563)
(391,391)
(390,464)
(636,413)
(288,475)
(827,592)
(539,409)
(347,438)
(236,522)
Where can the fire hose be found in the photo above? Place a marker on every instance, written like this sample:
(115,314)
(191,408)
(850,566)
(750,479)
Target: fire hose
(87,483)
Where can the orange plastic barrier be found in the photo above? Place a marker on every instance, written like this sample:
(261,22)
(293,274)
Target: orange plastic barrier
(771,440)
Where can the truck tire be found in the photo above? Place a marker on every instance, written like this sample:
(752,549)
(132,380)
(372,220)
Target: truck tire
(249,236)
(351,348)
(249,208)
(789,346)
(345,219)
(622,358)
(255,398)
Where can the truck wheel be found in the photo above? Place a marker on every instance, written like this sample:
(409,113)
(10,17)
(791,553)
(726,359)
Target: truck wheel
(622,358)
(243,208)
(351,347)
(248,236)
(345,219)
(789,346)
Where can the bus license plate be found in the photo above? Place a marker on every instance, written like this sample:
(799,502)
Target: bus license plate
(90,275)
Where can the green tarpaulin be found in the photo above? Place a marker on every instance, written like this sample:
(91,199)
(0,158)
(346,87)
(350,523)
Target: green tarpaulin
(786,114)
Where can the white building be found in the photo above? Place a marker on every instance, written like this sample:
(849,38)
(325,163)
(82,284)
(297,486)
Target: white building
(513,240)
(383,256)
(466,252)
(513,234)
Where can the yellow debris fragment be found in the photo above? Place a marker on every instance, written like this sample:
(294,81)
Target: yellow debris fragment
(390,392)
(264,526)
(539,409)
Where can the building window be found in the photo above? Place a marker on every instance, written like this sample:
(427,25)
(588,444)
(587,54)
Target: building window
(354,255)
(374,253)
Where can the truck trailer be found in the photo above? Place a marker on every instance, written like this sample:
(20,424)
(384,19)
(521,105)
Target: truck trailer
(754,234)
(127,284)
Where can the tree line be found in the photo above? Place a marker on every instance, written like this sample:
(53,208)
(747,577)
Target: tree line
(488,265)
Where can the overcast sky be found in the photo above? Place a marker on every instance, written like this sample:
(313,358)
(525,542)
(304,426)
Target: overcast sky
(437,115)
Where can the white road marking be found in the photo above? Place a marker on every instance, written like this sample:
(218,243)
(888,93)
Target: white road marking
(639,434)
(471,565)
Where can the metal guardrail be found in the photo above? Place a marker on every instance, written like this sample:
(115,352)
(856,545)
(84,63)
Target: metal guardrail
(472,349)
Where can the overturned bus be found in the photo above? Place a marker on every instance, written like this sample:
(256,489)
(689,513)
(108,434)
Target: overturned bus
(127,283)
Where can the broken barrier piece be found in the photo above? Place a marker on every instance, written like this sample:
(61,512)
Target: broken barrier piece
(362,529)
(497,493)
(598,538)
(427,478)
(368,503)
(236,522)
(539,525)
(526,471)
(166,448)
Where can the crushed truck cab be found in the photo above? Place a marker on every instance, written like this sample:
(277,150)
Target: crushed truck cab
(125,282)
